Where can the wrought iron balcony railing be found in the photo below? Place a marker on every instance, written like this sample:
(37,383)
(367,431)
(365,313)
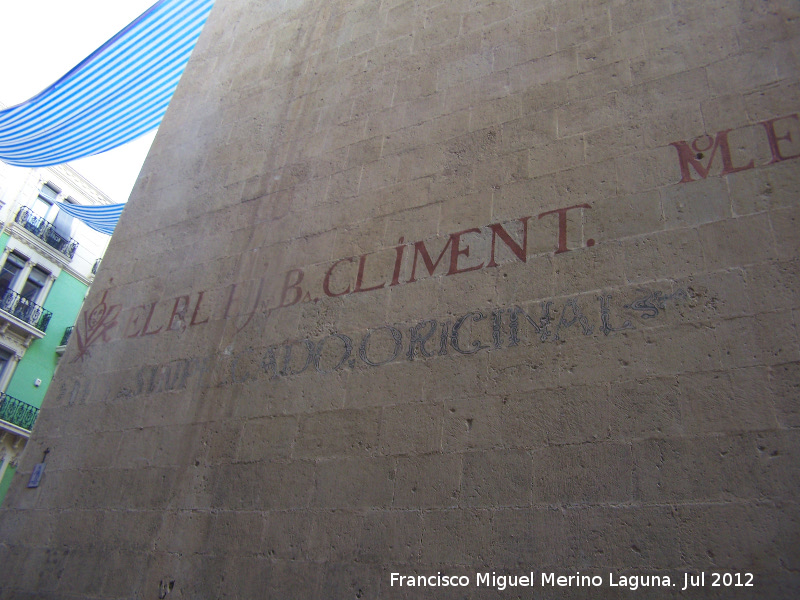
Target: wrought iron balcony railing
(45,231)
(65,337)
(25,310)
(17,412)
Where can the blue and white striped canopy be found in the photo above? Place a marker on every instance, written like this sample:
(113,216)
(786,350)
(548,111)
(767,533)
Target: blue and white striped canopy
(115,95)
(102,218)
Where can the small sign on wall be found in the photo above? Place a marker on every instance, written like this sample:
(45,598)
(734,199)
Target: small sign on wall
(38,471)
(36,476)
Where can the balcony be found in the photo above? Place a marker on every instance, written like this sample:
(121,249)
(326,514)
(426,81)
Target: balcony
(64,339)
(26,311)
(45,231)
(17,412)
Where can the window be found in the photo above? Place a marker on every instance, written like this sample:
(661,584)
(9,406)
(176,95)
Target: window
(11,279)
(46,199)
(13,265)
(23,287)
(34,285)
(6,369)
(5,358)
(45,221)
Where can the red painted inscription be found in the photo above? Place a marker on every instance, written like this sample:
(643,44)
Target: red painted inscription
(699,159)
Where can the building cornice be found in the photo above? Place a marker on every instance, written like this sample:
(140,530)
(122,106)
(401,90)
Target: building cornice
(89,194)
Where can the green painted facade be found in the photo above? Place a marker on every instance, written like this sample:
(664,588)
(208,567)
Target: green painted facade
(40,360)
(6,481)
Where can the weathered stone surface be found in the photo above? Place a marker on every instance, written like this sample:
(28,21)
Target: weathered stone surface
(456,288)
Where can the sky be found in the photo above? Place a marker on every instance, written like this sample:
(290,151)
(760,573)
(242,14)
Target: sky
(41,40)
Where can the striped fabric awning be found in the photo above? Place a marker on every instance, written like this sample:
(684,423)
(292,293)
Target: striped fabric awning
(102,218)
(116,94)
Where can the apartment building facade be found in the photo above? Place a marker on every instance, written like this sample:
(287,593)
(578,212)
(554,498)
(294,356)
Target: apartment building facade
(47,263)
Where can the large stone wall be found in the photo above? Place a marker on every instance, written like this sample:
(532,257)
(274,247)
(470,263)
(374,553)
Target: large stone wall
(453,287)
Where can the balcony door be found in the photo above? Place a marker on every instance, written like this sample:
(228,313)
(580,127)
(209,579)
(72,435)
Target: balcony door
(9,272)
(44,203)
(32,289)
(5,363)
